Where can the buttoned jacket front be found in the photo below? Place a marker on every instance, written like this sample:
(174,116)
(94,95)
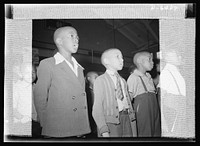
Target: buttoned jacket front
(105,109)
(60,100)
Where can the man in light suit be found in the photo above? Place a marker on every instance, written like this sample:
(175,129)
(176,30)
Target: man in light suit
(60,97)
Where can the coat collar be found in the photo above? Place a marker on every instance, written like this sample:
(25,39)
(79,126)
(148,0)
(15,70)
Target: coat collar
(59,59)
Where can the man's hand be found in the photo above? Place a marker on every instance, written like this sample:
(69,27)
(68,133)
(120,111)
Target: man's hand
(106,134)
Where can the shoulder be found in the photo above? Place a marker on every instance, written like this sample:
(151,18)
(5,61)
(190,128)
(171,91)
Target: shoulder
(132,77)
(100,78)
(47,63)
(165,73)
(49,60)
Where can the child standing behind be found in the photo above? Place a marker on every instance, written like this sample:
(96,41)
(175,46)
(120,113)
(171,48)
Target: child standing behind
(90,78)
(22,97)
(36,128)
(112,109)
(141,88)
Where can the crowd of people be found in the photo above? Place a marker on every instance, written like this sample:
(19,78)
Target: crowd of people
(67,104)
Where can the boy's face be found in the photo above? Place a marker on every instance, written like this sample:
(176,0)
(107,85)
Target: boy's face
(115,60)
(70,40)
(147,63)
(33,74)
(92,77)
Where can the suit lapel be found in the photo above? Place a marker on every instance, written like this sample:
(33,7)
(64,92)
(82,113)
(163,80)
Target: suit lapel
(65,67)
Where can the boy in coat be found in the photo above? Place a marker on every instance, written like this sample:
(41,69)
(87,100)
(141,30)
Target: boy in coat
(112,109)
(60,97)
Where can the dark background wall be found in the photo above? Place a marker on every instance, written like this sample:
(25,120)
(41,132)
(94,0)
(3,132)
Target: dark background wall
(97,35)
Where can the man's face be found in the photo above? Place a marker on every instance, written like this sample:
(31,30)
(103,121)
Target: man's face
(116,60)
(70,40)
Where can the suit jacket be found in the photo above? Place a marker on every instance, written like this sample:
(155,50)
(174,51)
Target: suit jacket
(105,108)
(60,100)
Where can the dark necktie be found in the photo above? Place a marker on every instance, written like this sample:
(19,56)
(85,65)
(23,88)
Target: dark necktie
(119,93)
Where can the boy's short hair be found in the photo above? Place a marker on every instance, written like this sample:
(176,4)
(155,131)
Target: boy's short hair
(106,54)
(140,55)
(59,32)
(90,73)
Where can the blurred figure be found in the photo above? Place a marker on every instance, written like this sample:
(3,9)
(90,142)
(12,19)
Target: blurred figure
(90,78)
(22,101)
(36,128)
(173,96)
(156,80)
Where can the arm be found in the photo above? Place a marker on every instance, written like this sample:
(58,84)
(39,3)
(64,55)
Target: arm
(132,86)
(41,89)
(98,113)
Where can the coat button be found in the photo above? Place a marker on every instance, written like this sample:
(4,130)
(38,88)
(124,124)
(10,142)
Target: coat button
(116,116)
(83,94)
(74,109)
(116,107)
(73,97)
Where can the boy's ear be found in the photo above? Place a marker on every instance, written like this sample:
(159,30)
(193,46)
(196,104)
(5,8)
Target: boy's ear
(58,41)
(88,78)
(106,61)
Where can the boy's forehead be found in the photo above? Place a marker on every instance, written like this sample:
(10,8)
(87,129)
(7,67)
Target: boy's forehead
(142,55)
(70,31)
(65,31)
(114,52)
(89,74)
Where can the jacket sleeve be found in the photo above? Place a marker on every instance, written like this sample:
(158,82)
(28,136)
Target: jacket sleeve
(98,111)
(42,88)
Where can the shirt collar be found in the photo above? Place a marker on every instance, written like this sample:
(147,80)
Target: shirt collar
(137,72)
(110,72)
(59,59)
